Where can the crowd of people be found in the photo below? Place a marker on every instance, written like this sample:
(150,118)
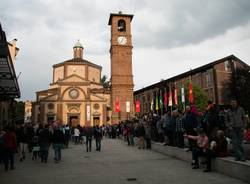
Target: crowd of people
(28,139)
(205,134)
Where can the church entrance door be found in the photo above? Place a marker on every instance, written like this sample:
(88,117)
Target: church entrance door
(96,120)
(74,119)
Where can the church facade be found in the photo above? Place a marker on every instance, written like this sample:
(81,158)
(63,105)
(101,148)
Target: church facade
(75,95)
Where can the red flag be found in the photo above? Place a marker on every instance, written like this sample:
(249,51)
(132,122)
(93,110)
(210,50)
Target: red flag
(191,97)
(137,106)
(166,99)
(175,96)
(117,106)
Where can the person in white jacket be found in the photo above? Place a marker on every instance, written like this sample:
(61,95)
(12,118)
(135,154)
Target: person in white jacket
(76,135)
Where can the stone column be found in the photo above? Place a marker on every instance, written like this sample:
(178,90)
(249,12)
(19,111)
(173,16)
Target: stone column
(104,114)
(59,115)
(42,114)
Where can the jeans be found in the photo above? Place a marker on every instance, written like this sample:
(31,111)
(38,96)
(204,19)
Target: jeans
(8,159)
(88,144)
(237,139)
(179,139)
(148,143)
(98,144)
(132,142)
(44,152)
(57,151)
(21,150)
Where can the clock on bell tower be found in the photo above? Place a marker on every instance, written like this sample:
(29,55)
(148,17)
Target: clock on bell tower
(122,85)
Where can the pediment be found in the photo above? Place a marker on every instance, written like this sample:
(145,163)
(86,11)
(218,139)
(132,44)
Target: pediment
(95,97)
(52,97)
(73,78)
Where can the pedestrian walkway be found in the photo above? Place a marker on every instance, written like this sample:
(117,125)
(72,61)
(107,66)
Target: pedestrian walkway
(117,163)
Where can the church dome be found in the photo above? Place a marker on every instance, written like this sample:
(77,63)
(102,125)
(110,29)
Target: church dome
(78,45)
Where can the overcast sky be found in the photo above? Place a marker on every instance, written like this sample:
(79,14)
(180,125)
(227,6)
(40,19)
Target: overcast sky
(169,36)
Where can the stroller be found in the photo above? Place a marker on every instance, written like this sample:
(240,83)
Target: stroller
(35,148)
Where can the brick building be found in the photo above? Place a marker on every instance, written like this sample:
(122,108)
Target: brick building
(213,78)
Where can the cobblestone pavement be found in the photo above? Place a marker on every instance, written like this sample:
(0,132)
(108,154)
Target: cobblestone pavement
(115,164)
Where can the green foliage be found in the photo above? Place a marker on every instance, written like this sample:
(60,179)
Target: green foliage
(240,87)
(200,97)
(105,83)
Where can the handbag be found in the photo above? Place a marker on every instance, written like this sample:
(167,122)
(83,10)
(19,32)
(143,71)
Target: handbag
(247,135)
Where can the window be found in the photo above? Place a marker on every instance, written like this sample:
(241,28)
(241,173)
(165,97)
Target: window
(227,66)
(121,25)
(208,79)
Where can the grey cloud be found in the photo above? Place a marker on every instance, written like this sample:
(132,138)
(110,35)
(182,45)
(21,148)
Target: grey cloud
(188,22)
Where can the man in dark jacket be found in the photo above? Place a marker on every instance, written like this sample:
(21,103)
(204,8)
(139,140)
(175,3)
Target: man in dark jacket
(58,141)
(98,137)
(89,135)
(190,125)
(44,139)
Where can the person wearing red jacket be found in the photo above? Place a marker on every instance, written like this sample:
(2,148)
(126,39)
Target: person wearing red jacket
(10,147)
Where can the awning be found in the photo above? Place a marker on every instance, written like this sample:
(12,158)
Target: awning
(9,88)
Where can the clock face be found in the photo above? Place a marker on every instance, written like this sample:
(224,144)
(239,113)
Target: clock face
(73,94)
(122,40)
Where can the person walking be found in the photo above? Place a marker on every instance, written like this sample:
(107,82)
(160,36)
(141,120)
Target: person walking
(67,136)
(148,135)
(10,147)
(235,122)
(58,141)
(141,135)
(44,139)
(21,139)
(89,135)
(98,137)
(76,135)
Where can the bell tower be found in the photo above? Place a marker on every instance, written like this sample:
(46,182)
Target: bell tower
(122,85)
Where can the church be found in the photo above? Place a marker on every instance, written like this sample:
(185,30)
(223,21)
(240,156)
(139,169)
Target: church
(76,95)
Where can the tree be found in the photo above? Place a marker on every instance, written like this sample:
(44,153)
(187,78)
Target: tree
(200,97)
(105,83)
(239,87)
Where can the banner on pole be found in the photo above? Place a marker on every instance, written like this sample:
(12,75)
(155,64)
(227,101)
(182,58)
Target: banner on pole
(127,106)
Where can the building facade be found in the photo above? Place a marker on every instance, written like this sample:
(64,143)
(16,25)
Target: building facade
(9,88)
(212,78)
(75,96)
(121,67)
(27,111)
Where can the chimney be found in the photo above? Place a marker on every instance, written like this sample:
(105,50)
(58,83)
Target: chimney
(78,50)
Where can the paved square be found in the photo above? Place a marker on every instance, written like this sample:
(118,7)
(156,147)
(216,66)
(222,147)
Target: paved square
(115,164)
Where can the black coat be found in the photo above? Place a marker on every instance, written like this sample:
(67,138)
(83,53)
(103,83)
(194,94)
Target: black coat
(58,137)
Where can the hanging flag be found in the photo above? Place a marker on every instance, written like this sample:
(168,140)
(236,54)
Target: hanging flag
(170,101)
(161,101)
(127,106)
(176,96)
(166,99)
(117,106)
(152,103)
(137,106)
(156,102)
(182,95)
(191,97)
